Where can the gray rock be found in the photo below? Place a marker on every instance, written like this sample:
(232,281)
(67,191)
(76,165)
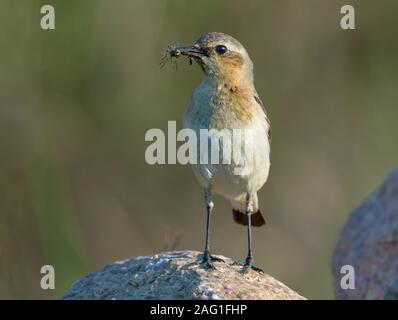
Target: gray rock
(369,242)
(178,275)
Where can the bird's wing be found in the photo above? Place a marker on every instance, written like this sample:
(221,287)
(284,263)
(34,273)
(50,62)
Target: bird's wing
(258,100)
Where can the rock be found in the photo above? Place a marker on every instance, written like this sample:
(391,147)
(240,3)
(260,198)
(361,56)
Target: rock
(178,275)
(369,242)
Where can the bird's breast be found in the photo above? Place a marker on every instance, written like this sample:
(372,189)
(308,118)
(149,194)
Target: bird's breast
(223,109)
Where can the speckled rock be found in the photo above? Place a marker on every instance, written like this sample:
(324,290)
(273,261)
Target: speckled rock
(369,242)
(178,275)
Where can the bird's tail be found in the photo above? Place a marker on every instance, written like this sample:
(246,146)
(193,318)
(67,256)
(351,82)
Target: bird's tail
(241,218)
(239,212)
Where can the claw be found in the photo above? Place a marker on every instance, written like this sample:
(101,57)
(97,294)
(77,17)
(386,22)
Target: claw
(208,259)
(208,265)
(246,269)
(249,265)
(216,259)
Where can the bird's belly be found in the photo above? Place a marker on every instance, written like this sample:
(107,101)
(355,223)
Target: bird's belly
(240,175)
(224,181)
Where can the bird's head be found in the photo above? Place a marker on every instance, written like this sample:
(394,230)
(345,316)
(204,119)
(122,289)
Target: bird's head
(221,57)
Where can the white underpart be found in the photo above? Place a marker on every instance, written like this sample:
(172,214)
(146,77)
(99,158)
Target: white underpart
(225,179)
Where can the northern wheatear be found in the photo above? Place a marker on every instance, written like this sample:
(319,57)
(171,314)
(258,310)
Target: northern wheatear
(227,99)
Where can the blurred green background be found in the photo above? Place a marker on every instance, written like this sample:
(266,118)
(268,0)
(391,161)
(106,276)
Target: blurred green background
(75,103)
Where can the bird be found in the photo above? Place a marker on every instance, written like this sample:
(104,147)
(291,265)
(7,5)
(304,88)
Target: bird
(227,99)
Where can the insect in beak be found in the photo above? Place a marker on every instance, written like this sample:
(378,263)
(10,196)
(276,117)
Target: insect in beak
(174,51)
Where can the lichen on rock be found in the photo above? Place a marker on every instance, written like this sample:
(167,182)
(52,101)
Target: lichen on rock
(178,275)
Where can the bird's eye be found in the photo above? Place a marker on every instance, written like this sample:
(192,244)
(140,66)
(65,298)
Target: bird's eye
(221,49)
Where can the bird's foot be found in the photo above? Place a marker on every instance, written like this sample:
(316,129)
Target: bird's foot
(246,268)
(208,259)
(250,266)
(216,259)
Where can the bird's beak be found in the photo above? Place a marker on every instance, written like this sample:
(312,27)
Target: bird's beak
(190,51)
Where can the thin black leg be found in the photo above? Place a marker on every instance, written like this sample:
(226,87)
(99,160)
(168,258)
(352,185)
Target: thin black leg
(249,260)
(207,257)
(209,207)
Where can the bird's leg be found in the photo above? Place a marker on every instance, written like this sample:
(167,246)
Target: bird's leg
(249,260)
(207,257)
(209,208)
